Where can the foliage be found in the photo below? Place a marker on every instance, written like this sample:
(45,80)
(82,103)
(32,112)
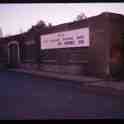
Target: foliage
(41,23)
(81,16)
(49,25)
(39,26)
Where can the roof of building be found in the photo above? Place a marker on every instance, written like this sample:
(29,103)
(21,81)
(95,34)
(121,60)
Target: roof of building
(65,26)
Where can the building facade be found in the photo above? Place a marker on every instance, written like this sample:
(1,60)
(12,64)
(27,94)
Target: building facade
(93,46)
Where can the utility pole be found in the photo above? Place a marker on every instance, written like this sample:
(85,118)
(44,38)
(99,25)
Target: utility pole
(1,33)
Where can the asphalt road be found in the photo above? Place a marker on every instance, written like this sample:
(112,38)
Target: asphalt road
(23,96)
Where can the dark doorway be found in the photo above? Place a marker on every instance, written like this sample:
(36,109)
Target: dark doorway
(13,55)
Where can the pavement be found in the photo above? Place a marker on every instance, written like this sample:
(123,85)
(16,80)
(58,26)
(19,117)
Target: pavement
(24,97)
(86,81)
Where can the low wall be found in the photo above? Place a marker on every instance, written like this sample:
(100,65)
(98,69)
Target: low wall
(81,69)
(64,69)
(28,66)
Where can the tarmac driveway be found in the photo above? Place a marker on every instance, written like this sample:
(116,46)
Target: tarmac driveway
(23,96)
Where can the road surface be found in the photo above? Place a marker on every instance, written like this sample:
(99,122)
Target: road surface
(23,96)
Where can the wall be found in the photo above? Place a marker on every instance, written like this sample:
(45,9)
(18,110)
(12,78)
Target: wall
(99,50)
(84,60)
(105,31)
(116,39)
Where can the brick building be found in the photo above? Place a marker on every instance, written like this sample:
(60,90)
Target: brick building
(100,55)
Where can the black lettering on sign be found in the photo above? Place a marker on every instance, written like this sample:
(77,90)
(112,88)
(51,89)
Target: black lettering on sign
(68,38)
(80,37)
(59,43)
(81,41)
(69,42)
(55,40)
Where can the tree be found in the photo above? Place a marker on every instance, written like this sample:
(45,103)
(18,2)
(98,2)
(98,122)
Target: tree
(81,16)
(41,23)
(39,26)
(49,25)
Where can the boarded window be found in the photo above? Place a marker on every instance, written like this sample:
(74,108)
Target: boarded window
(29,53)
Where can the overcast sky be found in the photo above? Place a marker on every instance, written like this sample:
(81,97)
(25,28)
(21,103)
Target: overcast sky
(14,17)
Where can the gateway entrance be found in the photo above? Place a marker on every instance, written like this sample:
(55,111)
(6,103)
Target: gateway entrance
(13,54)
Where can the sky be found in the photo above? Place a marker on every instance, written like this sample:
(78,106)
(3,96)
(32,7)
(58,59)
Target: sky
(15,18)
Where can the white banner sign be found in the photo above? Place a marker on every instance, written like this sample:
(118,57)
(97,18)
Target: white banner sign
(66,39)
